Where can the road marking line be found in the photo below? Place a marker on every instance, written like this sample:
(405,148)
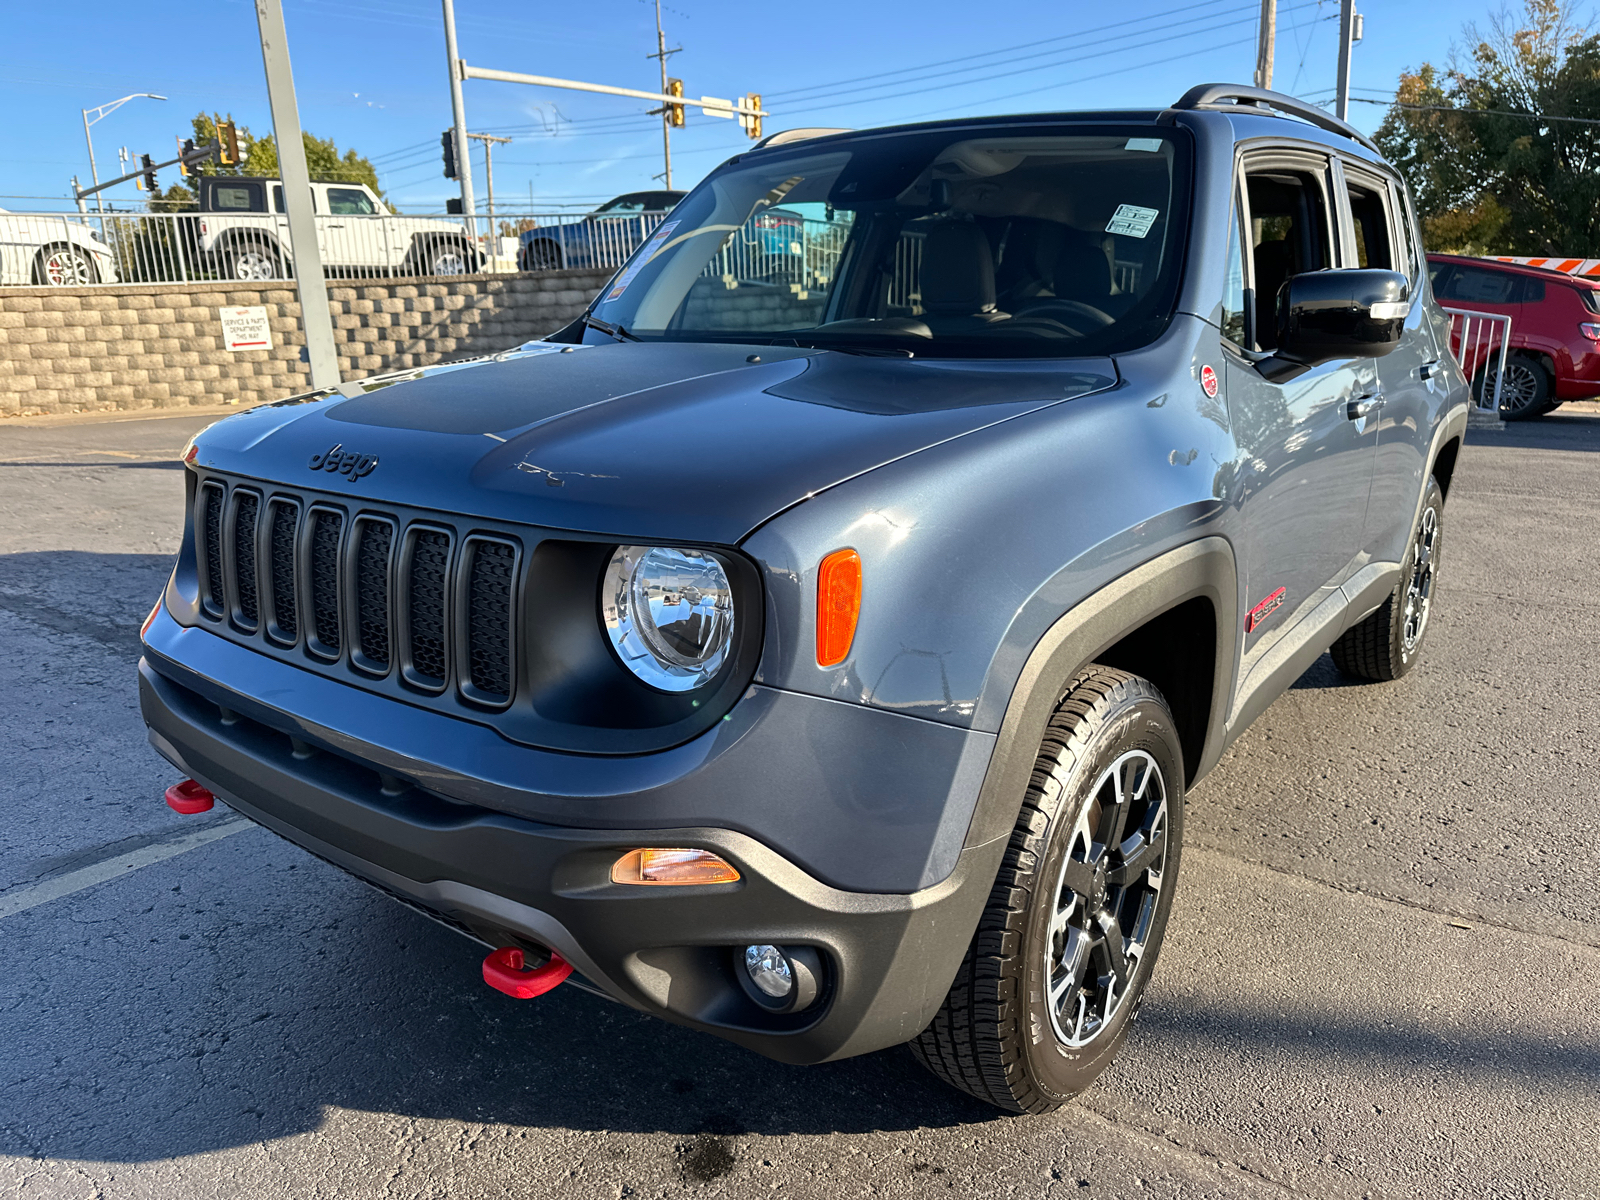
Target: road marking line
(94,874)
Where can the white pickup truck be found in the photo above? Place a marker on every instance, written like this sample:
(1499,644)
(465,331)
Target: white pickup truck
(244,229)
(55,251)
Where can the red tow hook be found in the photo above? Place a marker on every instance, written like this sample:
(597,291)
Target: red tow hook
(504,972)
(189,798)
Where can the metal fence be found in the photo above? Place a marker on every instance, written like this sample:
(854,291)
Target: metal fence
(1480,342)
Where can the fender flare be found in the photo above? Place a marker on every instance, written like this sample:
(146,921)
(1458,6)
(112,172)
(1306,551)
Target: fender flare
(1201,569)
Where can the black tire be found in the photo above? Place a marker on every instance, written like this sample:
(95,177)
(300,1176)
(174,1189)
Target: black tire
(1388,643)
(543,255)
(996,1036)
(252,261)
(1527,392)
(64,265)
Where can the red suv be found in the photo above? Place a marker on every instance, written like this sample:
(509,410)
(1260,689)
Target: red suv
(1555,328)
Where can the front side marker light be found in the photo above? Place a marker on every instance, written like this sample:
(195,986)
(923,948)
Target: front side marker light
(838,606)
(672,867)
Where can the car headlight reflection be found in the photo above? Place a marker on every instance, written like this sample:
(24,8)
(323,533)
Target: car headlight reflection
(669,614)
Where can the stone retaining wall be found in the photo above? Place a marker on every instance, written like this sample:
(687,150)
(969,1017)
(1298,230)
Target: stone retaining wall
(160,346)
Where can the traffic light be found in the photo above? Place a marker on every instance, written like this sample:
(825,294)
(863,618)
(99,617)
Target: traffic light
(148,165)
(228,140)
(752,124)
(183,152)
(675,112)
(447,140)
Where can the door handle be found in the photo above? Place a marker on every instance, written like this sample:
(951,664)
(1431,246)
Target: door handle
(1363,406)
(1429,369)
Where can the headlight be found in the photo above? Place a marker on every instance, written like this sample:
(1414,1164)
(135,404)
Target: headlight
(669,613)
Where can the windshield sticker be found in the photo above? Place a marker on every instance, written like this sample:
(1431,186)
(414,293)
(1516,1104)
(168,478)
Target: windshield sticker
(1132,221)
(651,249)
(1149,145)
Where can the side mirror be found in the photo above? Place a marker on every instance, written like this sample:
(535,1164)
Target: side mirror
(1329,315)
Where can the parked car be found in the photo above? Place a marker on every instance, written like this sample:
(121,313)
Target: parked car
(53,251)
(1555,328)
(603,238)
(827,672)
(243,227)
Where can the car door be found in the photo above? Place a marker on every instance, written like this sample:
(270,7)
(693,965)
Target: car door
(1380,234)
(1306,458)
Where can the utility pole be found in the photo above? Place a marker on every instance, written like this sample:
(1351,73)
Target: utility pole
(489,142)
(667,111)
(1268,37)
(309,282)
(1349,35)
(469,211)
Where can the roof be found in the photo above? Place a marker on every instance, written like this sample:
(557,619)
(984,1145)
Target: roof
(1541,268)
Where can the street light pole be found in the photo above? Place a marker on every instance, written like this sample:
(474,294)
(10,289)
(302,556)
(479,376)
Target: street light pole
(100,113)
(458,110)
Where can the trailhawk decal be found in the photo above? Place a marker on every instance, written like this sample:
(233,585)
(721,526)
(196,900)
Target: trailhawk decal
(1262,611)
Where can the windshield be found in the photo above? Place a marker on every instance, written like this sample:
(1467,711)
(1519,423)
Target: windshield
(965,242)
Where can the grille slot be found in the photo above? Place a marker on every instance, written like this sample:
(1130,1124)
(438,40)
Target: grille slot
(280,552)
(246,512)
(323,547)
(211,520)
(490,589)
(372,594)
(430,560)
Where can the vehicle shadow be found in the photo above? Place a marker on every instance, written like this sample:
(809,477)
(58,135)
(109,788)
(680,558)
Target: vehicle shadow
(1557,430)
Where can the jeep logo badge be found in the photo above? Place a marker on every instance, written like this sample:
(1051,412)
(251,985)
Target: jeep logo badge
(345,462)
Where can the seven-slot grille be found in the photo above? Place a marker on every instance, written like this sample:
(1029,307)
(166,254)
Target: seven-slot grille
(362,588)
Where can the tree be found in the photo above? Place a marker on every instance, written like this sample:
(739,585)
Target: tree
(260,156)
(1497,150)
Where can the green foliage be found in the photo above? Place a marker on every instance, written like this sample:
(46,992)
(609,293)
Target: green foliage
(260,156)
(1491,172)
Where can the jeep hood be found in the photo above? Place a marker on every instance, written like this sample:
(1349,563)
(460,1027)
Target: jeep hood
(642,440)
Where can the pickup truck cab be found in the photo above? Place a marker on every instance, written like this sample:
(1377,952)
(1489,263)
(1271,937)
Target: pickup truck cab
(244,228)
(826,668)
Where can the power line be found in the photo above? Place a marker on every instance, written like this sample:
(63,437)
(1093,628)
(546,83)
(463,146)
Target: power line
(1490,112)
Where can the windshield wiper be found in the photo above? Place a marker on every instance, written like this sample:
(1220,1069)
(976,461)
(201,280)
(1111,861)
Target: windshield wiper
(610,330)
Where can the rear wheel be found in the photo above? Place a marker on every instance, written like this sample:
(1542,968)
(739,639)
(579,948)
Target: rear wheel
(64,265)
(542,255)
(1388,643)
(255,261)
(1066,946)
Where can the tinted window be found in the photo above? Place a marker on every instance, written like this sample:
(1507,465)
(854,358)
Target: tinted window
(1590,297)
(1234,326)
(277,199)
(1405,241)
(237,197)
(1288,236)
(1475,285)
(1369,222)
(958,242)
(1532,291)
(349,202)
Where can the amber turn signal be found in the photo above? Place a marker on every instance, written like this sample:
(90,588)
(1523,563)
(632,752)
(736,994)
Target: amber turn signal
(838,606)
(667,868)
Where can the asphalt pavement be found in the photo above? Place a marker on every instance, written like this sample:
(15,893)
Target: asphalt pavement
(1383,975)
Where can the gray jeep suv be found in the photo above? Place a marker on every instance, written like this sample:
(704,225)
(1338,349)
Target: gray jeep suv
(824,665)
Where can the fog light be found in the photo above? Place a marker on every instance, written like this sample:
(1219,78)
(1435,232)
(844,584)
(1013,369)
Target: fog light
(782,979)
(769,970)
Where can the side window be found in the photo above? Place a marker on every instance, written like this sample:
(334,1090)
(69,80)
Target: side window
(349,202)
(1369,224)
(277,198)
(1533,291)
(1288,236)
(1234,326)
(1474,285)
(1405,240)
(238,197)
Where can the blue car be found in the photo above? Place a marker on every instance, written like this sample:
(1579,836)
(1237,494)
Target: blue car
(603,238)
(825,666)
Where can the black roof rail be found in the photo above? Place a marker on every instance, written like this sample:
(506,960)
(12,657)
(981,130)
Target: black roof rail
(1215,96)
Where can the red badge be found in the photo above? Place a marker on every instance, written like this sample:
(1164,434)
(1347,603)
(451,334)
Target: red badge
(1208,381)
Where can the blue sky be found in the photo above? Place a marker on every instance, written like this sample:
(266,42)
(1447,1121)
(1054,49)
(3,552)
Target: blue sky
(371,74)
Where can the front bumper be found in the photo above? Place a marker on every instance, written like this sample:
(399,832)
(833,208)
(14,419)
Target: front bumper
(510,880)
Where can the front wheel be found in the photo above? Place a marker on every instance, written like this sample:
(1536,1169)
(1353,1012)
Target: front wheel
(64,265)
(1067,944)
(1388,643)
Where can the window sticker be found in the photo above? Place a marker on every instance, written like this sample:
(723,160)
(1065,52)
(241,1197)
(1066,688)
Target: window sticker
(651,249)
(1132,221)
(1149,145)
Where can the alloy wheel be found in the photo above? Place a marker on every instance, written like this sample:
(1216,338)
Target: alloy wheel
(254,264)
(1106,896)
(67,268)
(1520,388)
(1419,588)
